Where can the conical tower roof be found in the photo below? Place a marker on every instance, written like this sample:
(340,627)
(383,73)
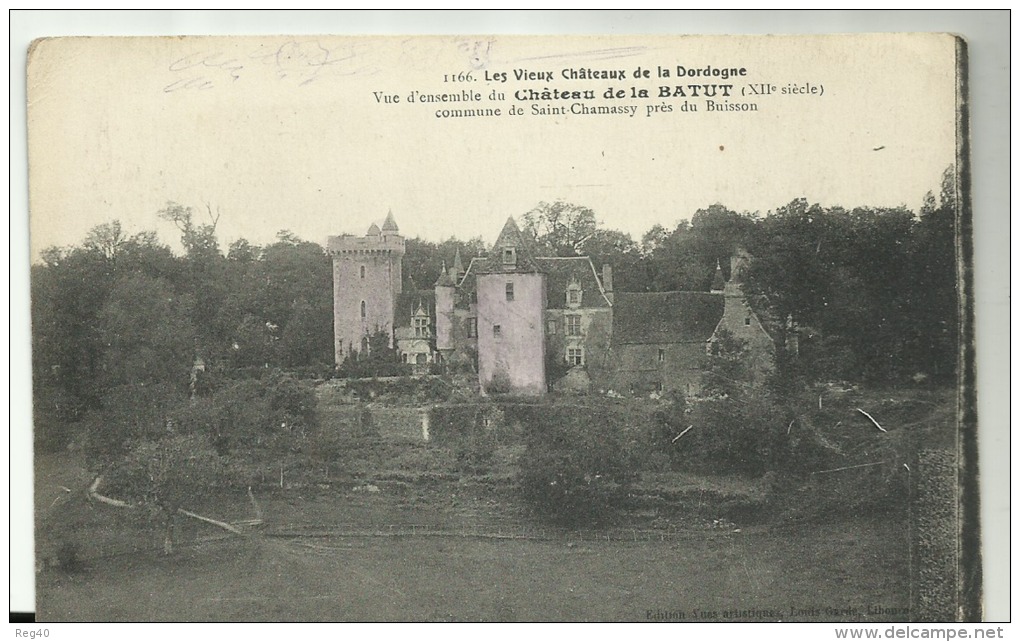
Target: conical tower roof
(458,265)
(444,280)
(373,230)
(390,224)
(511,237)
(718,282)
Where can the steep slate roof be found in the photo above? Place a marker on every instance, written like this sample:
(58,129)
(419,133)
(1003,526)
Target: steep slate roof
(561,271)
(467,284)
(458,265)
(390,224)
(510,236)
(445,279)
(665,317)
(407,305)
(718,282)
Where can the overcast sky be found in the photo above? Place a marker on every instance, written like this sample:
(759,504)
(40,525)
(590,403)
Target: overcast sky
(278,133)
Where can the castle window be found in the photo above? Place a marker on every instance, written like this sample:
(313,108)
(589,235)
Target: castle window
(364,310)
(574,295)
(421,327)
(509,256)
(364,346)
(404,357)
(658,386)
(472,327)
(509,291)
(573,325)
(362,271)
(747,320)
(662,355)
(575,356)
(551,327)
(497,331)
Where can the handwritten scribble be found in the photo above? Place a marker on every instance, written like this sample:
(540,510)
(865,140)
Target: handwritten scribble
(478,52)
(194,82)
(216,60)
(308,61)
(300,61)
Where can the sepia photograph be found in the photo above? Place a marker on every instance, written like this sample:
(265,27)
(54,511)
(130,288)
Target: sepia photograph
(468,328)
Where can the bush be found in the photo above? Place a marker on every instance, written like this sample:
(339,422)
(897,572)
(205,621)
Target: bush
(472,432)
(732,436)
(405,389)
(129,414)
(575,469)
(499,384)
(55,413)
(671,420)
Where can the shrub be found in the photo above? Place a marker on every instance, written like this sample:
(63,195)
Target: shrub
(499,384)
(575,469)
(671,420)
(472,432)
(731,435)
(130,413)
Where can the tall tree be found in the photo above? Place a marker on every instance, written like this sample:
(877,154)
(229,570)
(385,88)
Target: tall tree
(934,296)
(424,259)
(146,332)
(561,228)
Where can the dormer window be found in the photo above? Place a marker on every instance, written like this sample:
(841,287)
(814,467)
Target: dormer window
(574,294)
(421,327)
(509,256)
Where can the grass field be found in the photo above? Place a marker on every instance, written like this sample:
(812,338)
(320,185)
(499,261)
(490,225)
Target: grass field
(847,566)
(447,558)
(703,571)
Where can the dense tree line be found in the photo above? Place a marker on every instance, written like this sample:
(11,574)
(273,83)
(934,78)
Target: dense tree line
(871,294)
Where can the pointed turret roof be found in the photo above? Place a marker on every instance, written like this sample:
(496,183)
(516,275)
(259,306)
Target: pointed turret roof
(390,224)
(511,237)
(718,282)
(510,234)
(458,265)
(373,230)
(445,280)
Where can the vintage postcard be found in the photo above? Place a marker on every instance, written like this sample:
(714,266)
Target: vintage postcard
(490,328)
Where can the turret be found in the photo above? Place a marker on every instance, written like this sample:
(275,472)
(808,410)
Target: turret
(367,279)
(718,282)
(457,272)
(444,310)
